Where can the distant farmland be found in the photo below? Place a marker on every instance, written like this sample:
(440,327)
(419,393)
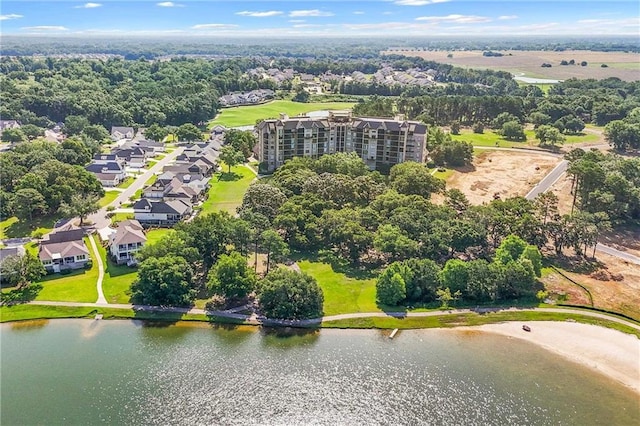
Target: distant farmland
(625,66)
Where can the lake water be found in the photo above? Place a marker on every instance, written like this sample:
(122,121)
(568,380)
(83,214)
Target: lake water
(126,372)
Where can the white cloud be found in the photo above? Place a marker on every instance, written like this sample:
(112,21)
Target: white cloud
(358,12)
(507,17)
(387,13)
(297,21)
(45,28)
(260,14)
(455,19)
(169,4)
(418,2)
(213,26)
(309,13)
(307,26)
(10,16)
(88,6)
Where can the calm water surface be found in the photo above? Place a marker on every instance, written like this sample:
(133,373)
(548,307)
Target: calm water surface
(125,372)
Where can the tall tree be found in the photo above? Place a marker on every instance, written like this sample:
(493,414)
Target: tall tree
(22,270)
(286,294)
(164,281)
(231,156)
(274,246)
(81,205)
(231,277)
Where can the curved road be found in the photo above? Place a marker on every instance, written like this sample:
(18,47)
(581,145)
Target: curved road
(252,319)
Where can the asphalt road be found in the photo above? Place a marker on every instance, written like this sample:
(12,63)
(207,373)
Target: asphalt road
(100,220)
(548,180)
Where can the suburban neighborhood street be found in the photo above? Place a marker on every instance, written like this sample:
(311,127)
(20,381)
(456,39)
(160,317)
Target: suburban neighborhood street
(100,220)
(548,180)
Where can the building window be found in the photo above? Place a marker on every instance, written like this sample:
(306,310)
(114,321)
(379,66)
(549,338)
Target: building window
(81,257)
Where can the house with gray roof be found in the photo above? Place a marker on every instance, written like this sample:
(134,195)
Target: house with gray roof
(64,249)
(161,213)
(121,132)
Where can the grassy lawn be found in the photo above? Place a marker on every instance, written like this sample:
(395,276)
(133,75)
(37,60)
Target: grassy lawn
(138,194)
(154,235)
(227,190)
(78,286)
(119,217)
(109,197)
(117,279)
(489,138)
(247,115)
(15,228)
(151,163)
(582,138)
(127,182)
(342,293)
(446,174)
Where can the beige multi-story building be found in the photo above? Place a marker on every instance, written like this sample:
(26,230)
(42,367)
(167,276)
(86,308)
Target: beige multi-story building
(380,142)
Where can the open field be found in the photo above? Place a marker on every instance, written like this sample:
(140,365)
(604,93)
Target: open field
(625,66)
(15,228)
(342,293)
(227,189)
(247,115)
(505,173)
(492,139)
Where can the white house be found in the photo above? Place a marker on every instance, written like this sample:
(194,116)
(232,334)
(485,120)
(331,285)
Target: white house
(119,132)
(126,241)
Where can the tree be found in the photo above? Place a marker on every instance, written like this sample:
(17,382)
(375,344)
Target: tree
(286,294)
(510,249)
(421,286)
(478,127)
(13,136)
(32,131)
(81,205)
(390,239)
(156,133)
(457,200)
(549,136)
(414,178)
(28,202)
(97,133)
(75,124)
(513,131)
(22,270)
(391,285)
(264,199)
(445,297)
(455,275)
(455,127)
(502,118)
(453,153)
(622,135)
(242,140)
(231,156)
(164,281)
(188,132)
(231,277)
(532,254)
(274,246)
(301,96)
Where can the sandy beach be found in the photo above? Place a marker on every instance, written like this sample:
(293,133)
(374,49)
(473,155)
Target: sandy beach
(611,352)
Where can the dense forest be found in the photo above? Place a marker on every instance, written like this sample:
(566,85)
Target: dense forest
(336,48)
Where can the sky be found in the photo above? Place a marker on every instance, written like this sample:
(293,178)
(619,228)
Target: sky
(283,18)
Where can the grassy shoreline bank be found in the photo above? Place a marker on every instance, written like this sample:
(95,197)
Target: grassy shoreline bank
(447,319)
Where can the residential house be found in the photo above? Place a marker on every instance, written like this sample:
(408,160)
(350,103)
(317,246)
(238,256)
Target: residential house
(8,124)
(6,252)
(126,241)
(118,133)
(64,249)
(161,213)
(109,173)
(151,146)
(107,158)
(133,157)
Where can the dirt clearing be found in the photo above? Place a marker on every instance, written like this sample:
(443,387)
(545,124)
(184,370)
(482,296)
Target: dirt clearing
(625,66)
(506,173)
(613,283)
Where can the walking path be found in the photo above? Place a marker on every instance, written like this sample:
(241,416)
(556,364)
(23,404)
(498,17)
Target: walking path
(259,320)
(101,299)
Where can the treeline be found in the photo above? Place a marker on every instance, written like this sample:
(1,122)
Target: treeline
(118,92)
(39,177)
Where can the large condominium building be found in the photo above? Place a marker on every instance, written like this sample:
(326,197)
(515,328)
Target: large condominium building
(380,142)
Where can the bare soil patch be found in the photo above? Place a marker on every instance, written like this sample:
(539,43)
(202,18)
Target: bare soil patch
(625,66)
(504,173)
(613,283)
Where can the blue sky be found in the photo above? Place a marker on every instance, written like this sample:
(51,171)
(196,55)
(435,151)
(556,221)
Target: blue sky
(329,17)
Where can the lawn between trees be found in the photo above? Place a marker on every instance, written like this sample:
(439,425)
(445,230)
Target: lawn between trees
(249,114)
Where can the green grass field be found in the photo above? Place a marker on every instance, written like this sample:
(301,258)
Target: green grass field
(109,197)
(15,228)
(117,279)
(247,115)
(119,217)
(127,182)
(489,138)
(78,286)
(154,235)
(342,293)
(227,190)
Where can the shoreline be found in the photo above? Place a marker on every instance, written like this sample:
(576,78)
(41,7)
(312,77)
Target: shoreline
(609,352)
